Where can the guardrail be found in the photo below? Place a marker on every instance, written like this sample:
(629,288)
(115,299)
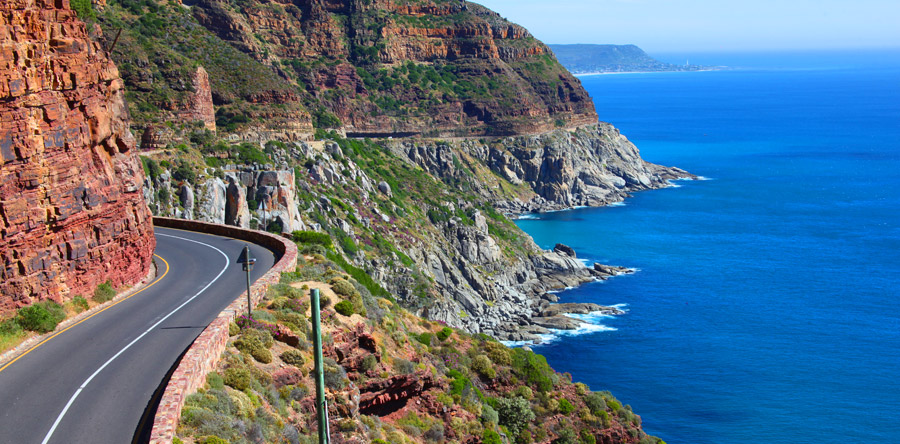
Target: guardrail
(203,355)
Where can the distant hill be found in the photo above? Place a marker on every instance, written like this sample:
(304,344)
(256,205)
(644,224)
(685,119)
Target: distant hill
(584,58)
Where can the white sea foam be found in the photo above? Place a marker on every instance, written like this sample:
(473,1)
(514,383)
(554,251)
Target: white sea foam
(591,323)
(594,317)
(616,204)
(671,184)
(704,178)
(528,216)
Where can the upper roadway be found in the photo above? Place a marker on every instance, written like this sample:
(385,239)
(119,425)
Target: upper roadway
(94,382)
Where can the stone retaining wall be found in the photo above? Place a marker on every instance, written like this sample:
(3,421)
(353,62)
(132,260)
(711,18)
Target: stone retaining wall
(203,355)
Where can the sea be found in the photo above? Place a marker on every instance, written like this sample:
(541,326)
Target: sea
(766,305)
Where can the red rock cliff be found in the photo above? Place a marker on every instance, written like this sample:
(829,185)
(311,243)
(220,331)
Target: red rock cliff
(71,211)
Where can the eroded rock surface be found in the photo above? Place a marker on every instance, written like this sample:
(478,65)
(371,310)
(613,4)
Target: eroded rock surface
(72,214)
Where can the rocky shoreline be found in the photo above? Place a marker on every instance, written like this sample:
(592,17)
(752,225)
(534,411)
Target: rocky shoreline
(548,314)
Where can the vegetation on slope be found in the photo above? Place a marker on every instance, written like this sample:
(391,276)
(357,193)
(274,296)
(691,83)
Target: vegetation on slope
(391,378)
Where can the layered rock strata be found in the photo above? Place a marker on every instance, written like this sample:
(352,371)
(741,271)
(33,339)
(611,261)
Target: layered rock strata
(71,210)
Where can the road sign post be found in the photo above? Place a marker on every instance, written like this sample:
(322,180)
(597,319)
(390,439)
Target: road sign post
(248,263)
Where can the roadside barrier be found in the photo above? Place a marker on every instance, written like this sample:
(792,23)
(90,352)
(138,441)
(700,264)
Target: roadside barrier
(203,355)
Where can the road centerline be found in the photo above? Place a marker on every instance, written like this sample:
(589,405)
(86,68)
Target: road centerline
(152,327)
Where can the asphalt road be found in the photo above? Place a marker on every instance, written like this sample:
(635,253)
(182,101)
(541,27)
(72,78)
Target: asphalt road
(96,382)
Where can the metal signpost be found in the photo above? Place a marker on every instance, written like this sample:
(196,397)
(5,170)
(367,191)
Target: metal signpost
(247,262)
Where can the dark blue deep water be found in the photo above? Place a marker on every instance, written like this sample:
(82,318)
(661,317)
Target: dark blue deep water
(767,305)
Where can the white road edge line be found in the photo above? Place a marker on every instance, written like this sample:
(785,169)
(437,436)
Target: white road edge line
(88,380)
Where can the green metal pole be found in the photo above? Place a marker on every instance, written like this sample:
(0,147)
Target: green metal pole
(247,267)
(321,414)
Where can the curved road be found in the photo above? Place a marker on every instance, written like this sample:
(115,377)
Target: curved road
(97,381)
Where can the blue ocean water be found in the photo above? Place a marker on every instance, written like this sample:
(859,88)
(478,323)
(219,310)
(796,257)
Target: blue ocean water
(767,305)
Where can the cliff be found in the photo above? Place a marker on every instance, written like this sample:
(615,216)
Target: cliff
(424,218)
(371,68)
(71,210)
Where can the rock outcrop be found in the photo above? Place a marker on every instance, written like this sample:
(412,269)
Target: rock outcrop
(71,209)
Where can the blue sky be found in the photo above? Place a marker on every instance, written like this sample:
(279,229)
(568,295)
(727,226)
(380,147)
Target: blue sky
(706,25)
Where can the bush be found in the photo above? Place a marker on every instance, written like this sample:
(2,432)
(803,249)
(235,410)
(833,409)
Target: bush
(312,237)
(424,338)
(344,307)
(215,380)
(524,391)
(80,304)
(524,438)
(595,402)
(403,367)
(587,437)
(369,363)
(515,413)
(566,436)
(489,415)
(104,292)
(256,343)
(444,333)
(42,317)
(237,378)
(335,375)
(498,353)
(343,288)
(565,407)
(490,437)
(293,357)
(482,365)
(533,368)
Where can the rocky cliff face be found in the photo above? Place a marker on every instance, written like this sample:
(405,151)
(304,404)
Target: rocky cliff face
(71,211)
(420,216)
(397,67)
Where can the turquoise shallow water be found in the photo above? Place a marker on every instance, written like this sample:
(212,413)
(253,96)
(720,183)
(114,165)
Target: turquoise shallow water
(767,305)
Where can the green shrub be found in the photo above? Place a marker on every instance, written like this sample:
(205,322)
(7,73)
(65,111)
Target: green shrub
(524,391)
(293,357)
(335,376)
(344,288)
(444,333)
(42,317)
(215,380)
(515,413)
(581,388)
(595,402)
(80,304)
(233,329)
(10,333)
(565,407)
(104,292)
(490,437)
(424,338)
(312,237)
(212,439)
(344,307)
(533,368)
(524,438)
(566,436)
(587,437)
(369,363)
(256,343)
(403,367)
(489,415)
(237,378)
(498,353)
(482,364)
